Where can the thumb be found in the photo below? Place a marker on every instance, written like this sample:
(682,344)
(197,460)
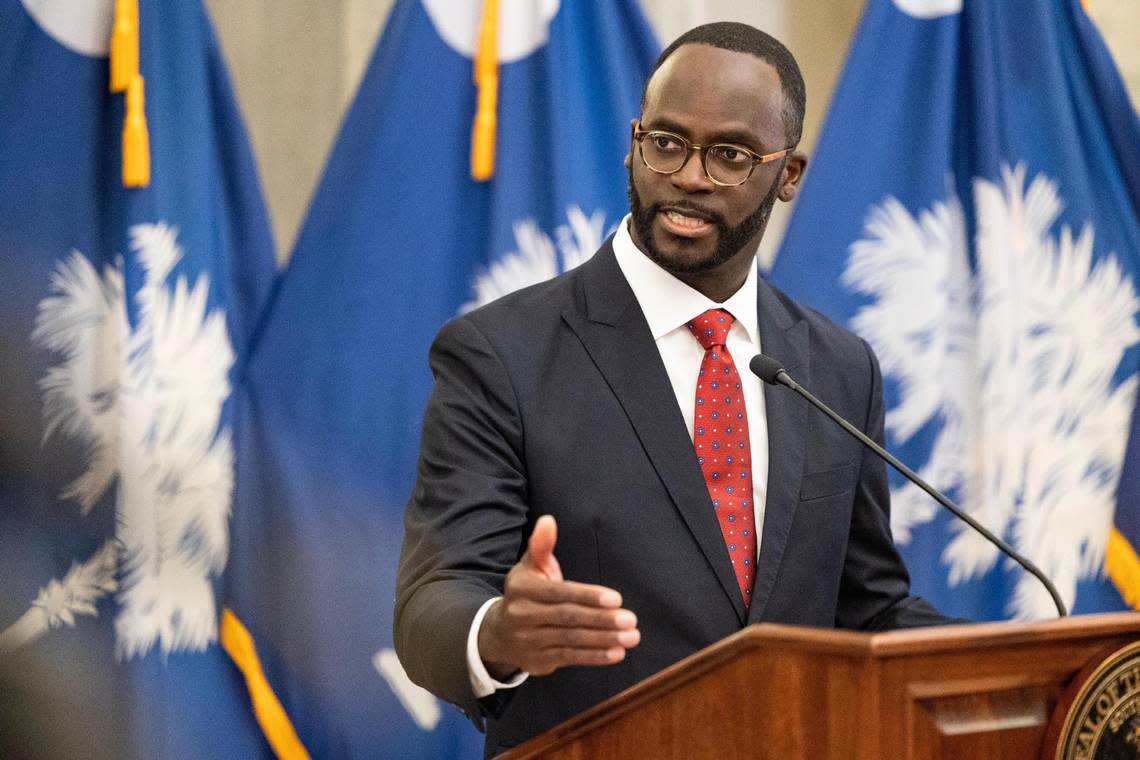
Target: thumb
(540,548)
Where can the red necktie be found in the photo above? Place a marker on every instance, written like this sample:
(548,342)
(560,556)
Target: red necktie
(720,439)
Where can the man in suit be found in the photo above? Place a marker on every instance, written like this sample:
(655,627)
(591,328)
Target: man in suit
(601,481)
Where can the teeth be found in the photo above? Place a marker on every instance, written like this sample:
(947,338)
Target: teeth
(685,221)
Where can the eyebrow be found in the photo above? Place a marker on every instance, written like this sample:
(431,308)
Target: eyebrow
(738,137)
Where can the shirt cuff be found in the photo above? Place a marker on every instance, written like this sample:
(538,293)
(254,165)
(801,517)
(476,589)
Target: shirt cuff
(481,681)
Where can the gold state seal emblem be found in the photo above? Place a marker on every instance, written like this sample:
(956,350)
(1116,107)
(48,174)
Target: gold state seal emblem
(1103,722)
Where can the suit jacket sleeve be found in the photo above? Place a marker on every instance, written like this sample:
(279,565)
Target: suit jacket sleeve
(875,587)
(466,517)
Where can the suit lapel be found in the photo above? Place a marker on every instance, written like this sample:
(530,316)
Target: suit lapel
(613,330)
(785,339)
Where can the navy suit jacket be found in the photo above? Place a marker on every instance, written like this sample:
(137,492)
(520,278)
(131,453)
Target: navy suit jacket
(554,400)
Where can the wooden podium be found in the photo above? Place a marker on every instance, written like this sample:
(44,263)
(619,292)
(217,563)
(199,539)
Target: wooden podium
(772,691)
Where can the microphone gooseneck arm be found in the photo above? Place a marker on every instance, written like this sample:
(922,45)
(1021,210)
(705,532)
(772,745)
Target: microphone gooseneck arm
(768,370)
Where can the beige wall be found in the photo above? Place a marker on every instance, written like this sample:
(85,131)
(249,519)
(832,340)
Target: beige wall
(296,64)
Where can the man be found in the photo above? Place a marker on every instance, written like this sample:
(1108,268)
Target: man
(601,481)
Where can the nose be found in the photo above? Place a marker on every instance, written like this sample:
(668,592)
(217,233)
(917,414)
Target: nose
(691,177)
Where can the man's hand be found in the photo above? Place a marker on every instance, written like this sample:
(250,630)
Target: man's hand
(543,622)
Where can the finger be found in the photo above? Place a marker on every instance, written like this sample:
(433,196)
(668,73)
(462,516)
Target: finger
(580,638)
(542,589)
(552,659)
(525,613)
(540,548)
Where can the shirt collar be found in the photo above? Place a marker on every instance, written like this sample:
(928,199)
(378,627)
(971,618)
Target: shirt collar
(669,303)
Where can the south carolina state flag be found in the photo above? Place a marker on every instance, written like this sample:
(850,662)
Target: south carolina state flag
(972,211)
(399,239)
(124,315)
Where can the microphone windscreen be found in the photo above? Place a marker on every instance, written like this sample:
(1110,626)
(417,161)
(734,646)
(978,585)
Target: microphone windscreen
(765,367)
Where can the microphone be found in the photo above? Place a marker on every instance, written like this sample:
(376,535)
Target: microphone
(770,371)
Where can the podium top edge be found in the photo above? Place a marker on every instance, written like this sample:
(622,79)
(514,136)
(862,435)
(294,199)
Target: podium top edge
(911,641)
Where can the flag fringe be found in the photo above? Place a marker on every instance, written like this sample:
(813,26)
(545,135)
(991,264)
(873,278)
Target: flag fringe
(1123,566)
(275,724)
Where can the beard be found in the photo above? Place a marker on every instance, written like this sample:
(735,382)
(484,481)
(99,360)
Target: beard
(729,239)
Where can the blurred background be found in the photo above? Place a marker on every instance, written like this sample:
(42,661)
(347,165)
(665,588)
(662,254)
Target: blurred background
(296,65)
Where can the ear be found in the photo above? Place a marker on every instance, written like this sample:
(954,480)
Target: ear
(633,126)
(792,174)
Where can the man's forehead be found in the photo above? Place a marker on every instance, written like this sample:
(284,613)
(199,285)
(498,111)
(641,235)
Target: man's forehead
(713,82)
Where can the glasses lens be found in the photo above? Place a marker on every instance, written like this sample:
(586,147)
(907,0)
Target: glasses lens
(728,164)
(663,152)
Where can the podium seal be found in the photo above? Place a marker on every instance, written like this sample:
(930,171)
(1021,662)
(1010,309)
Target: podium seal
(1103,722)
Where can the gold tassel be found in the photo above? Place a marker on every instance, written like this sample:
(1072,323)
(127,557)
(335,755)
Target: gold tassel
(125,77)
(487,80)
(136,140)
(124,44)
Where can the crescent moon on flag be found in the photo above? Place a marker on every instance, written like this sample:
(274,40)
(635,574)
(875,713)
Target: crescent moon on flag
(929,8)
(81,26)
(524,25)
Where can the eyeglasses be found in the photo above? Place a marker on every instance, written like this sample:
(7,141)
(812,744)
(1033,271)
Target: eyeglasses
(725,164)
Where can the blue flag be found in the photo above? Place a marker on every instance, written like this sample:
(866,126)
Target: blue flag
(399,239)
(124,314)
(972,212)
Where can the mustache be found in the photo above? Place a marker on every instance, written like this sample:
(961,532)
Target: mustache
(688,206)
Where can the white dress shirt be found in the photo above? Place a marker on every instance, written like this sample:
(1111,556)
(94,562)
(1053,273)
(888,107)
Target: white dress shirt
(668,305)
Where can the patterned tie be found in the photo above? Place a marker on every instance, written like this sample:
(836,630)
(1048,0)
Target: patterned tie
(720,438)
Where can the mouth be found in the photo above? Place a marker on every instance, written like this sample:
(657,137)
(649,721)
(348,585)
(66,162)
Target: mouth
(686,222)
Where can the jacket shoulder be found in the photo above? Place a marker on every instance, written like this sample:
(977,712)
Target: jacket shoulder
(840,345)
(528,311)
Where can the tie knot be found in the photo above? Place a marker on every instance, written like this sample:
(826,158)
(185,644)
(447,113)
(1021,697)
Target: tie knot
(711,328)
